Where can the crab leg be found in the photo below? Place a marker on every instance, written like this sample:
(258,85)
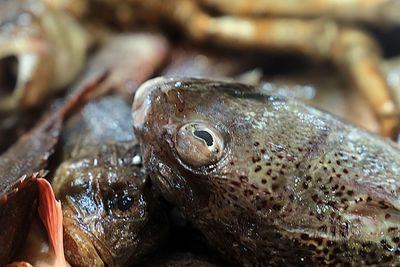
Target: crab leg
(352,50)
(370,10)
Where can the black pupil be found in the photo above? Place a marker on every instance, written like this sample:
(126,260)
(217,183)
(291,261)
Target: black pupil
(206,136)
(124,202)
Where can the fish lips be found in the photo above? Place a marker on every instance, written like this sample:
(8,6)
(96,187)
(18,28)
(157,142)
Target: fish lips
(81,247)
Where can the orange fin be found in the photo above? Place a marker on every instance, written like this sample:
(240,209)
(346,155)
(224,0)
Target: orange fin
(50,213)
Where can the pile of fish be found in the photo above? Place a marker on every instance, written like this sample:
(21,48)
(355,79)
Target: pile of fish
(177,171)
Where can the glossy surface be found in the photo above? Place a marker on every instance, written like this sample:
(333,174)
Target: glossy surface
(21,164)
(294,186)
(111,215)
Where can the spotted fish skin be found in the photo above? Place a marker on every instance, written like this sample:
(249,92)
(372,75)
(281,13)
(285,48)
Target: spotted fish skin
(294,187)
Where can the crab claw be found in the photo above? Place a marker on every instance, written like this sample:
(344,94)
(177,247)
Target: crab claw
(41,50)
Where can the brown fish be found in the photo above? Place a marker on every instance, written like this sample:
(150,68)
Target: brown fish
(269,180)
(111,215)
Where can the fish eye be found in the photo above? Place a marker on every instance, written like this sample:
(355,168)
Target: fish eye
(199,144)
(124,202)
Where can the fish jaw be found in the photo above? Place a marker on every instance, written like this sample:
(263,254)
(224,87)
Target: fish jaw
(81,249)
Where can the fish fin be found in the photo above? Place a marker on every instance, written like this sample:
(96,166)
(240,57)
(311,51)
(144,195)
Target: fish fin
(50,213)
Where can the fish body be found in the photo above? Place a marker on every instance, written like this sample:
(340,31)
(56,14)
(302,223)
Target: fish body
(111,215)
(269,180)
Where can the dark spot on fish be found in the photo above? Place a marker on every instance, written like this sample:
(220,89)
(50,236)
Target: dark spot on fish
(206,136)
(276,207)
(345,171)
(235,183)
(387,216)
(243,178)
(305,185)
(256,143)
(304,237)
(315,197)
(263,181)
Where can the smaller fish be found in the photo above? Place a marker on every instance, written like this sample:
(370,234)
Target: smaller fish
(111,214)
(269,180)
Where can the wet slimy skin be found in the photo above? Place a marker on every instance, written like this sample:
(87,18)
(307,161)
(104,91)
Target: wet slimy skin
(112,217)
(269,180)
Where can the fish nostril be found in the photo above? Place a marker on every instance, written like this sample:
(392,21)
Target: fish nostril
(8,75)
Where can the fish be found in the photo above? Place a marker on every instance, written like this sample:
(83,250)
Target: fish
(112,215)
(269,180)
(23,163)
(37,42)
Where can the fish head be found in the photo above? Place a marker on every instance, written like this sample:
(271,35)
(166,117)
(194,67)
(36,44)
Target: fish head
(36,43)
(194,137)
(111,215)
(24,50)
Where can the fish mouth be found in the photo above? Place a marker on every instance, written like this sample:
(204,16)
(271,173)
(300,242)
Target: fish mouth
(79,249)
(21,81)
(83,248)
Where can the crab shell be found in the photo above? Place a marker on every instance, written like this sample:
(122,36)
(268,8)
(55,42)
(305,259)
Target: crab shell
(41,50)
